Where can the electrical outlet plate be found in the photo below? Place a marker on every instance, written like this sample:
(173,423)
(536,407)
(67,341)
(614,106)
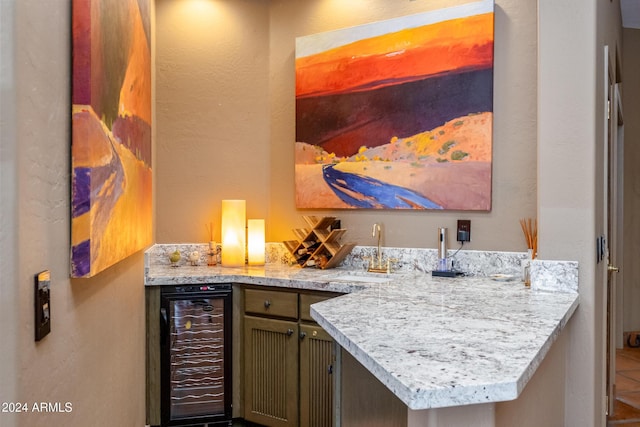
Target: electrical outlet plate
(464,230)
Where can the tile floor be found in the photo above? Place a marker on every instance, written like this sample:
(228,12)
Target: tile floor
(627,405)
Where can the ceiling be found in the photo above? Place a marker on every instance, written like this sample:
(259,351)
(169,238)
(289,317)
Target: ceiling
(630,10)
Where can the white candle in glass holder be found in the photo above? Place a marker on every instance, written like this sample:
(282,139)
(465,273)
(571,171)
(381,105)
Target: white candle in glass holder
(233,227)
(255,247)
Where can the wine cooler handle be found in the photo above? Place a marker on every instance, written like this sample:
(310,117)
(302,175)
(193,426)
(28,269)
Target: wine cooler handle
(164,326)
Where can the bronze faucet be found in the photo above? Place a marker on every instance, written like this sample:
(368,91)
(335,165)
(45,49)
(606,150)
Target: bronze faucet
(378,268)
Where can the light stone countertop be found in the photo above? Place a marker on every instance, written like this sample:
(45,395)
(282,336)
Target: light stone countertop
(434,342)
(439,342)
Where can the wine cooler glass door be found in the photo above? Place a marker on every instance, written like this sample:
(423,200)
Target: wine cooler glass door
(196,386)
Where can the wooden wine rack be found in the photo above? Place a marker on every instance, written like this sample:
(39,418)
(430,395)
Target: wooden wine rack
(318,241)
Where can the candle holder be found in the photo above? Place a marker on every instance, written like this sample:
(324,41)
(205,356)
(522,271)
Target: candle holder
(233,227)
(255,245)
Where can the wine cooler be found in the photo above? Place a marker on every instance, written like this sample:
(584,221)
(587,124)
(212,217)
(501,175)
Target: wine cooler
(196,355)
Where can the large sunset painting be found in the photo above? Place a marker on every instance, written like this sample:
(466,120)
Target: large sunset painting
(111,205)
(397,114)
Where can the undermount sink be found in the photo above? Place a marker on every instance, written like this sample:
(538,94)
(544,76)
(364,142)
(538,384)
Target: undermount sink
(367,278)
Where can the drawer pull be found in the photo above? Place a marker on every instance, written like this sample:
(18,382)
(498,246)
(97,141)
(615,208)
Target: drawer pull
(267,304)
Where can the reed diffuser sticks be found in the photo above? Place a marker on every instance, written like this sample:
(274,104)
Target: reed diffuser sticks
(210,230)
(530,230)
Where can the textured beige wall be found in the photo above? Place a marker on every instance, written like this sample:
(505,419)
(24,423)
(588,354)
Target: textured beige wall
(631,109)
(542,402)
(566,183)
(212,122)
(226,120)
(94,355)
(9,309)
(571,202)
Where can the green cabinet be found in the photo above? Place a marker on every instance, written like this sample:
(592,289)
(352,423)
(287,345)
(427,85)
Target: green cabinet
(317,360)
(271,374)
(288,361)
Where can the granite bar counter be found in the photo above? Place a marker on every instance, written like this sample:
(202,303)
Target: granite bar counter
(433,342)
(437,342)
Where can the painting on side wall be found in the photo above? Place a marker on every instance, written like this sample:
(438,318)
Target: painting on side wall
(111,206)
(397,114)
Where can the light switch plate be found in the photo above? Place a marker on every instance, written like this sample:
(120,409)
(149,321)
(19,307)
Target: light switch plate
(42,304)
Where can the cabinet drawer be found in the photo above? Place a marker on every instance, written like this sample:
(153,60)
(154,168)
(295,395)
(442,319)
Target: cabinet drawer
(271,303)
(305,302)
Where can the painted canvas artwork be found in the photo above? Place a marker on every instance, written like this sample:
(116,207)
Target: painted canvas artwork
(397,114)
(111,206)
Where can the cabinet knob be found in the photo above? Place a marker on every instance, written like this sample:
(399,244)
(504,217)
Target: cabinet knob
(302,335)
(289,332)
(330,369)
(267,304)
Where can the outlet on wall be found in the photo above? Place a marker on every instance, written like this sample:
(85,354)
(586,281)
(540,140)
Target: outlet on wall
(464,230)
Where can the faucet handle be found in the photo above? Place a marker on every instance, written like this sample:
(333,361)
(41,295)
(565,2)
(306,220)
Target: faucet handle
(391,262)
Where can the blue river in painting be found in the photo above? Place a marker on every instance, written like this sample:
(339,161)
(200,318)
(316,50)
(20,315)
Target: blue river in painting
(361,191)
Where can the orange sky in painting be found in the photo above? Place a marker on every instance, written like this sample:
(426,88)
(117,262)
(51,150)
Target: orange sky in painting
(463,43)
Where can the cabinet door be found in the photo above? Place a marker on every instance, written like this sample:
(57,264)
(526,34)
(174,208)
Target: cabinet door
(271,371)
(317,356)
